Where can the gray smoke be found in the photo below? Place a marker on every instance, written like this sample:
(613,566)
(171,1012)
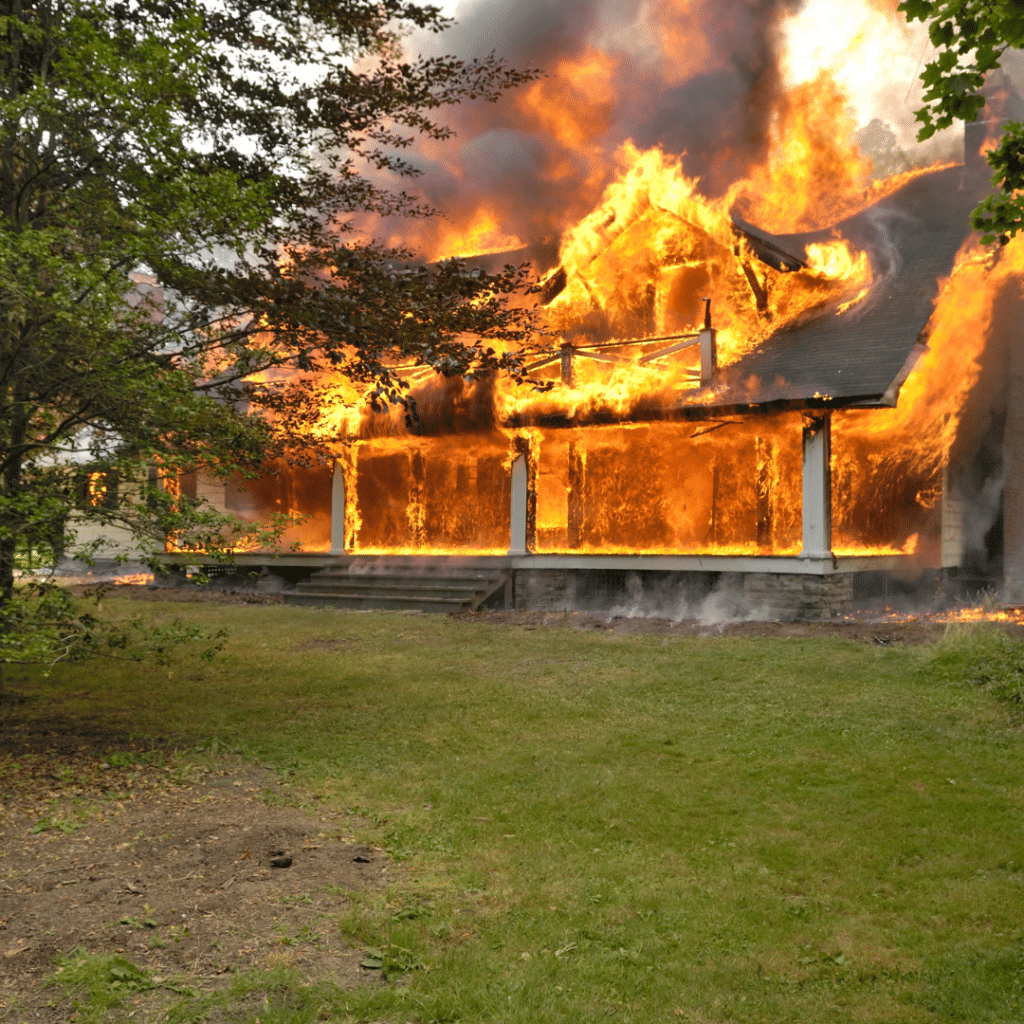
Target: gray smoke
(712,101)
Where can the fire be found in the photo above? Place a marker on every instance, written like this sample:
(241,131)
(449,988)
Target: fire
(815,173)
(447,495)
(134,579)
(854,42)
(897,455)
(482,235)
(641,262)
(724,489)
(978,613)
(574,103)
(608,476)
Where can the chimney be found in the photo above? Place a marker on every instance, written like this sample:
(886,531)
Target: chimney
(708,348)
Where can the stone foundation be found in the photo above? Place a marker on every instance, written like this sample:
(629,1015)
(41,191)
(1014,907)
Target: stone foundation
(725,596)
(545,589)
(798,597)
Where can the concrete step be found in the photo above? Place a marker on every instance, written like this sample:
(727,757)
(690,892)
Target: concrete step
(322,582)
(405,572)
(465,594)
(368,602)
(426,588)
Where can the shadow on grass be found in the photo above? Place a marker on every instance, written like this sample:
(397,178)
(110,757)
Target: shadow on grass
(29,726)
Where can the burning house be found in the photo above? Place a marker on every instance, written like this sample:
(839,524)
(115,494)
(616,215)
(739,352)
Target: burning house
(785,397)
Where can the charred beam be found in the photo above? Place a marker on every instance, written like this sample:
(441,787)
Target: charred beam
(566,352)
(577,494)
(765,489)
(769,248)
(553,285)
(708,348)
(760,292)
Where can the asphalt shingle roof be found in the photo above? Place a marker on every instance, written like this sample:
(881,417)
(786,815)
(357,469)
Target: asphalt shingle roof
(912,238)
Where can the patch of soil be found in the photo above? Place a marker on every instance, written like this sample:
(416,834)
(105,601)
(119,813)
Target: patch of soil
(177,872)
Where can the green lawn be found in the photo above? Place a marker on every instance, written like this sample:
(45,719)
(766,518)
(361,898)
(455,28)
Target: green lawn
(599,827)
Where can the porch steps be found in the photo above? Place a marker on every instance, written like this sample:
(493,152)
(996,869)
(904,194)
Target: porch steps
(398,585)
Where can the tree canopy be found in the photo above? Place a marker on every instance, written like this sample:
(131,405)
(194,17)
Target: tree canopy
(219,149)
(971,37)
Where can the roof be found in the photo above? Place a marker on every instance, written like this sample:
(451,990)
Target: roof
(860,356)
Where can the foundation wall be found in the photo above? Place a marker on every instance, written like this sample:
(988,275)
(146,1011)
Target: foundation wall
(710,596)
(790,597)
(544,589)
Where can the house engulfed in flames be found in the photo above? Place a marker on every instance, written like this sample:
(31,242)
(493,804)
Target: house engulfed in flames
(786,414)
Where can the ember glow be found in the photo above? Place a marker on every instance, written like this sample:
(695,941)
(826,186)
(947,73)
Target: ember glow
(134,579)
(978,613)
(628,452)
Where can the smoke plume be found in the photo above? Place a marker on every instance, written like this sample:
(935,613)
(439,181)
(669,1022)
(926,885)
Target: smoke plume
(699,77)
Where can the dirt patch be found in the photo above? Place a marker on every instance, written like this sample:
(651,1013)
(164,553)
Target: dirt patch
(332,643)
(191,874)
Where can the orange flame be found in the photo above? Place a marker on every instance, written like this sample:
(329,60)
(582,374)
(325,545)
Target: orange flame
(887,464)
(636,267)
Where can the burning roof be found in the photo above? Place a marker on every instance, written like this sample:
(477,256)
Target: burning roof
(829,318)
(828,286)
(858,354)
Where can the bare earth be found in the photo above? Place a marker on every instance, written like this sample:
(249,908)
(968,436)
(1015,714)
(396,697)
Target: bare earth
(175,869)
(176,872)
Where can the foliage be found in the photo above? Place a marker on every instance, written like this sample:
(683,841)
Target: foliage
(971,37)
(43,623)
(103,984)
(180,288)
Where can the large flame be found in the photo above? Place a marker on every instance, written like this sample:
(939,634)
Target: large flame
(888,464)
(639,265)
(656,243)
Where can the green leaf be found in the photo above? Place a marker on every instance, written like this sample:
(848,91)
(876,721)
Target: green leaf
(149,145)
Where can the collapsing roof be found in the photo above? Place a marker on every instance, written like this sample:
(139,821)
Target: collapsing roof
(840,353)
(860,355)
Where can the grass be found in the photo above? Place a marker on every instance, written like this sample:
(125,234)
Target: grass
(600,827)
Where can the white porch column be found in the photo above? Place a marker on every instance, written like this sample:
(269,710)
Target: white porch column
(338,510)
(708,356)
(520,505)
(817,486)
(708,348)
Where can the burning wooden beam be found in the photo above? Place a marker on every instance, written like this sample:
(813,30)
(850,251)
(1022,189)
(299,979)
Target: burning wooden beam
(708,348)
